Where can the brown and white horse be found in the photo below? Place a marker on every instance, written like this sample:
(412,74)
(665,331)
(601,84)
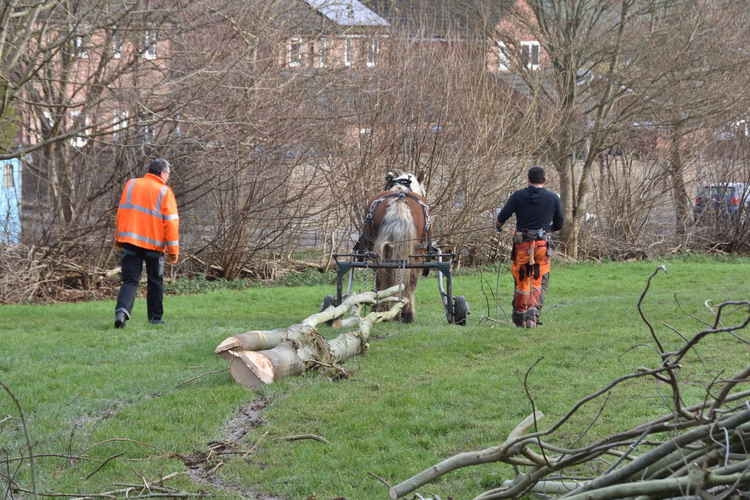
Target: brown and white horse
(396,228)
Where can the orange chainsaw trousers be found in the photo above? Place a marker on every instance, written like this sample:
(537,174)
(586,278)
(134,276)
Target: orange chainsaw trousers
(530,268)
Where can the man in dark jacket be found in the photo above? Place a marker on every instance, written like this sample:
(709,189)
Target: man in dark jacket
(538,213)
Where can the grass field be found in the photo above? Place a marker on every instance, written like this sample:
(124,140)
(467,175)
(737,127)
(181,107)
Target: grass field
(108,408)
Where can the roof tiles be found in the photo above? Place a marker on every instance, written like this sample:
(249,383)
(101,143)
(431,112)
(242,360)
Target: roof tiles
(347,12)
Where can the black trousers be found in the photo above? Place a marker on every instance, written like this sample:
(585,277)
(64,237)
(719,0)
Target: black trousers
(133,258)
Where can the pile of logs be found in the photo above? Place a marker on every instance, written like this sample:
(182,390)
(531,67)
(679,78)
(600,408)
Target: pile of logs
(260,357)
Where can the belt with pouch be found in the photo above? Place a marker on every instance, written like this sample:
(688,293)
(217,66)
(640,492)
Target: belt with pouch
(530,235)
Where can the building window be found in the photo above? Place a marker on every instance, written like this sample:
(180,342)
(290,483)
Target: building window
(348,52)
(459,199)
(79,139)
(502,56)
(742,128)
(311,54)
(530,54)
(177,126)
(373,48)
(8,181)
(116,44)
(294,57)
(119,122)
(149,44)
(80,47)
(147,134)
(46,121)
(323,53)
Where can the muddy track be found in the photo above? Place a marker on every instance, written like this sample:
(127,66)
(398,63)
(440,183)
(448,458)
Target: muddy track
(202,466)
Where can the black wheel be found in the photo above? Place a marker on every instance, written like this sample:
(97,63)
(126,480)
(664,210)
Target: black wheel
(328,300)
(460,310)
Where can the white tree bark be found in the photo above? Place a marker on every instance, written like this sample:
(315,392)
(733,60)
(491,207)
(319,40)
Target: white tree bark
(260,357)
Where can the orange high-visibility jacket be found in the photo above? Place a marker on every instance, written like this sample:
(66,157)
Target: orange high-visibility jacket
(147,215)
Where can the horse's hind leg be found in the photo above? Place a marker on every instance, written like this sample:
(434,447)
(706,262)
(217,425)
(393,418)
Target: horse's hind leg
(407,313)
(383,280)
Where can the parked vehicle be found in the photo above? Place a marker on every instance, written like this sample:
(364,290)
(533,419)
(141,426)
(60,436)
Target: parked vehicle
(722,199)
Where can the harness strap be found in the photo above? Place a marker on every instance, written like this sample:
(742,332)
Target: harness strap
(401,195)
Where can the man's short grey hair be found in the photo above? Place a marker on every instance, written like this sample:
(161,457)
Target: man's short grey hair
(158,166)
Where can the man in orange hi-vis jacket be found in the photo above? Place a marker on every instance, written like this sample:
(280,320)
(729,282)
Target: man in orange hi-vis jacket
(147,229)
(538,212)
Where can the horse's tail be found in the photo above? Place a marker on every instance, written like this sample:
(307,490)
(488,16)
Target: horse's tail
(397,237)
(397,240)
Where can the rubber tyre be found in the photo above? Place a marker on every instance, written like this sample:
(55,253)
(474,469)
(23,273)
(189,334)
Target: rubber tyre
(328,300)
(460,310)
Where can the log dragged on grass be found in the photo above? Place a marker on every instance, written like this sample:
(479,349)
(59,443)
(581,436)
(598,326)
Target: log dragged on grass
(259,357)
(257,340)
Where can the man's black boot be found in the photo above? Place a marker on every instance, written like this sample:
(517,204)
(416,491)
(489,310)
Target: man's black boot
(120,319)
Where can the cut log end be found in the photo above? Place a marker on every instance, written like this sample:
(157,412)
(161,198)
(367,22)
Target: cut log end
(258,364)
(227,355)
(244,375)
(227,344)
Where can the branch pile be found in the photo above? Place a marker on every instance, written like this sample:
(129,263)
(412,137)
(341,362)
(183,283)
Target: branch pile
(695,452)
(259,357)
(42,274)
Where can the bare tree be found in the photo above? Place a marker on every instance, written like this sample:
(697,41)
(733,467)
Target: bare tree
(19,21)
(255,135)
(90,98)
(434,109)
(695,58)
(608,69)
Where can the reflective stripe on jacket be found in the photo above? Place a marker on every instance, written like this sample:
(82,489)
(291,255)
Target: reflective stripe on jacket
(147,215)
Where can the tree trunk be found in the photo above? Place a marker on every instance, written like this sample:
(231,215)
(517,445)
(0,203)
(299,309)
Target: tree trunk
(679,192)
(569,231)
(256,368)
(256,340)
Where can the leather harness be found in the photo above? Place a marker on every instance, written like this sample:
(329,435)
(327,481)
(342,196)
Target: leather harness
(400,195)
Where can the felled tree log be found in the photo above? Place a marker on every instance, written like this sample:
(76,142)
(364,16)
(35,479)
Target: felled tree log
(256,368)
(257,340)
(261,357)
(350,344)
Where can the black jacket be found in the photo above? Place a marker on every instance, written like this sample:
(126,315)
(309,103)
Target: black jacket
(535,208)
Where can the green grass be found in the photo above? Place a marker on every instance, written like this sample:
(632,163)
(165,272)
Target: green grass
(422,392)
